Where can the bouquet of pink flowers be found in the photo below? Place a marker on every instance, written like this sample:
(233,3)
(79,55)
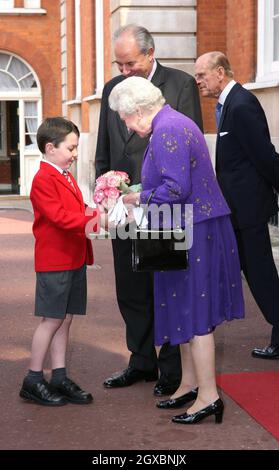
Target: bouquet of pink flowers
(110,186)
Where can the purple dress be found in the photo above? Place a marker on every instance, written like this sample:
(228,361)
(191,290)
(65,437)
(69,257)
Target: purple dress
(177,167)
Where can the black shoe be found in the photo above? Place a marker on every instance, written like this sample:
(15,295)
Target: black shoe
(165,387)
(42,393)
(129,376)
(216,409)
(178,402)
(72,392)
(270,352)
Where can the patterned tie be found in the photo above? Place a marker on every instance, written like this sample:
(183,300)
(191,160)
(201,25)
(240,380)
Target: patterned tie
(68,178)
(218,111)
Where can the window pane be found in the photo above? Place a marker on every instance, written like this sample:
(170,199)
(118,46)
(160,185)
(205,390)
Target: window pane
(276,7)
(4,59)
(7,83)
(6,3)
(30,109)
(32,3)
(31,124)
(28,82)
(18,68)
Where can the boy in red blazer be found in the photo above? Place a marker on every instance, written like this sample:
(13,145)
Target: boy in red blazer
(61,254)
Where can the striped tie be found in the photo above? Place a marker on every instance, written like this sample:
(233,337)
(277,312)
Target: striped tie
(68,178)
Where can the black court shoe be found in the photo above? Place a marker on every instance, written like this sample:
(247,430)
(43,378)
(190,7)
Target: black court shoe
(178,402)
(216,409)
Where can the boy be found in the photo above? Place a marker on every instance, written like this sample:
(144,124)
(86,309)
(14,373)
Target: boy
(61,254)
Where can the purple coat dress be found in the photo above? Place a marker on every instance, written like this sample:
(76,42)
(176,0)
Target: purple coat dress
(178,168)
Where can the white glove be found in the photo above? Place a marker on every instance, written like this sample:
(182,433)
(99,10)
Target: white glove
(137,213)
(117,214)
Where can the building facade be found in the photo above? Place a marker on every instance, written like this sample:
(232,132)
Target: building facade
(56,55)
(30,85)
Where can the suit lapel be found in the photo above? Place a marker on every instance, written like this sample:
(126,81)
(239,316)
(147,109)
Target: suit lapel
(158,78)
(75,191)
(56,174)
(235,89)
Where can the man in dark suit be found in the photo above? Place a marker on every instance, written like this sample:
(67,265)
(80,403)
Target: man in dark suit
(119,149)
(247,168)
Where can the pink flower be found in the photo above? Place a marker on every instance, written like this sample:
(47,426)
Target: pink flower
(101,182)
(113,193)
(109,187)
(98,196)
(124,176)
(114,181)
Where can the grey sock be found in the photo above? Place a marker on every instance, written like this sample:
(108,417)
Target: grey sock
(34,376)
(58,375)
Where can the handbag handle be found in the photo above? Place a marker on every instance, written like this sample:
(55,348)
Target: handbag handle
(144,212)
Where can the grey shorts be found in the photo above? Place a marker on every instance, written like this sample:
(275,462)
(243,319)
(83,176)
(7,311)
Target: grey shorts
(61,292)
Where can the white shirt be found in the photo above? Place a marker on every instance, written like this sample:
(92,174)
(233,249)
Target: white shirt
(55,166)
(154,67)
(225,92)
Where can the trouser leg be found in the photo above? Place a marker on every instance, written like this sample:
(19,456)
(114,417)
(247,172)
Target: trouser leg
(258,265)
(135,301)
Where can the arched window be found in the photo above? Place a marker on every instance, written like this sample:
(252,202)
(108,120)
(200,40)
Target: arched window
(20,115)
(15,75)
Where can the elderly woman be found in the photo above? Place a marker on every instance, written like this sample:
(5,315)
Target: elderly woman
(188,304)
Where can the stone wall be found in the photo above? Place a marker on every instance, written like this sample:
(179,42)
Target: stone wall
(173,24)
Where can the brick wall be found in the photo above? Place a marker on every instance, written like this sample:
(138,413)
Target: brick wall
(211,36)
(107,40)
(88,59)
(228,26)
(36,39)
(70,34)
(241,38)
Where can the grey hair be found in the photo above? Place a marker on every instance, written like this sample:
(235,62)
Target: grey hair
(219,59)
(133,93)
(142,36)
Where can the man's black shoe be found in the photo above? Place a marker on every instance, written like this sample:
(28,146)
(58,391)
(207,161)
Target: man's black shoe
(130,376)
(41,393)
(269,352)
(165,387)
(72,392)
(179,401)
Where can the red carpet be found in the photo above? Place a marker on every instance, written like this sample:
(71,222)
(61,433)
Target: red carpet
(257,393)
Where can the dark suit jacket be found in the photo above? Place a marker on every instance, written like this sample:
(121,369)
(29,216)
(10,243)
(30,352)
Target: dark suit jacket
(116,149)
(247,164)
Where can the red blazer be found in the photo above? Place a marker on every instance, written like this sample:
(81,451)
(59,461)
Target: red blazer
(60,222)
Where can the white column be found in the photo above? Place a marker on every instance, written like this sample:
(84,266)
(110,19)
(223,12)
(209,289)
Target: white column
(99,28)
(78,49)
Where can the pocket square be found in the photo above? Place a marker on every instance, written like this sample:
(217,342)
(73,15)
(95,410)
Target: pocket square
(223,133)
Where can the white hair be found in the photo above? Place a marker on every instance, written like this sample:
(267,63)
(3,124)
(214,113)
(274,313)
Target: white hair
(133,93)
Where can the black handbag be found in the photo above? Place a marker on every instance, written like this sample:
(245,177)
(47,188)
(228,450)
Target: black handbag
(158,249)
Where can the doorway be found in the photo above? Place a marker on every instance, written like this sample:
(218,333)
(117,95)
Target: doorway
(9,148)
